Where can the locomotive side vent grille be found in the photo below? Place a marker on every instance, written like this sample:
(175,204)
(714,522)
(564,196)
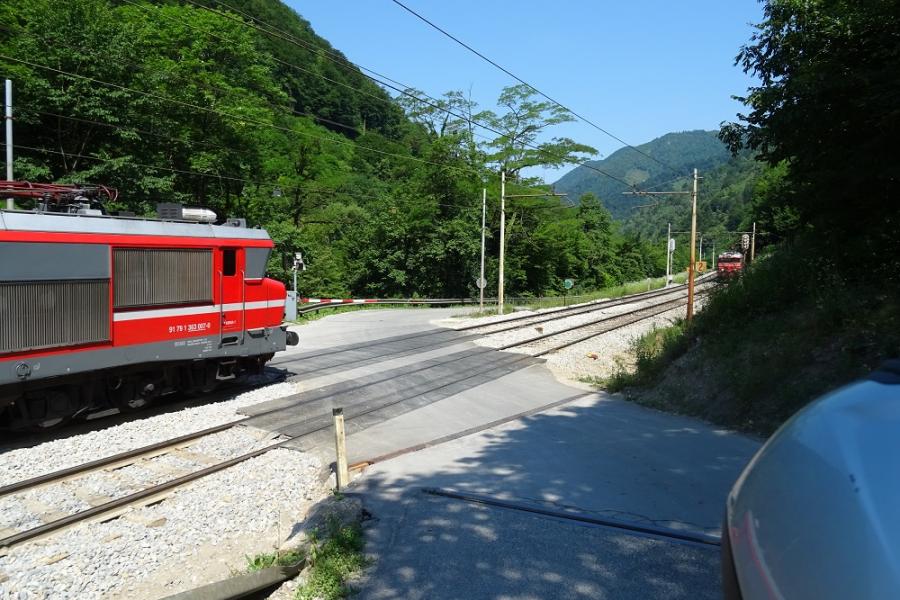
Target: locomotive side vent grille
(159,277)
(48,314)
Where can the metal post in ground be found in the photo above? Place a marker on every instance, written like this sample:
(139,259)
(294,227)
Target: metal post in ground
(10,203)
(669,256)
(481,280)
(502,240)
(341,472)
(691,266)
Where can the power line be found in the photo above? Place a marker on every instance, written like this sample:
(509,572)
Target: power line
(235,117)
(536,90)
(181,78)
(343,62)
(306,188)
(339,61)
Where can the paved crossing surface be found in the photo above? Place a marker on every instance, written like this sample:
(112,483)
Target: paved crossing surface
(404,384)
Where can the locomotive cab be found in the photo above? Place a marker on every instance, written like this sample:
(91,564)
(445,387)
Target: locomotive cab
(102,312)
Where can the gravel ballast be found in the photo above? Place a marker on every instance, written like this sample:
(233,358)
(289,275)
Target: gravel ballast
(147,551)
(116,558)
(596,358)
(23,463)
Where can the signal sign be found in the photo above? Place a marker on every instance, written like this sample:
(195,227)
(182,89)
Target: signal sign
(745,241)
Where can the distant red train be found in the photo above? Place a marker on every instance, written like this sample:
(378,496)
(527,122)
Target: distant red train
(730,264)
(99,311)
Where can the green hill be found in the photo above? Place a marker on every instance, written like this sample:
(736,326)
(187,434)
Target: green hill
(683,151)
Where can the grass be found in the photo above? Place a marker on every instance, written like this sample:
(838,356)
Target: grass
(792,328)
(334,559)
(271,559)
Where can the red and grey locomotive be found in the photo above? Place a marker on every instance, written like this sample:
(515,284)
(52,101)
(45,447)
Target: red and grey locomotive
(729,264)
(101,311)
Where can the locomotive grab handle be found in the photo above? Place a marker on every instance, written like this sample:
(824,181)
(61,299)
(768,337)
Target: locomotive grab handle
(221,307)
(243,307)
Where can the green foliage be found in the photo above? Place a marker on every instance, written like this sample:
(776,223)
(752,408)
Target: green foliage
(683,151)
(827,107)
(272,559)
(333,561)
(652,352)
(168,102)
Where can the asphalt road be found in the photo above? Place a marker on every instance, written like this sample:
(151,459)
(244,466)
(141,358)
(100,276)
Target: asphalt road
(592,455)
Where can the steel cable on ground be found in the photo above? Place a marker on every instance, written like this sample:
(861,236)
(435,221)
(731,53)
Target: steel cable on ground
(536,90)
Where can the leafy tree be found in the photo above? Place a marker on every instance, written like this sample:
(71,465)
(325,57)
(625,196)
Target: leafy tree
(521,127)
(826,107)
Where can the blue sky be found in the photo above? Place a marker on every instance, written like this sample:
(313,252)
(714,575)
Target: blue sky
(638,68)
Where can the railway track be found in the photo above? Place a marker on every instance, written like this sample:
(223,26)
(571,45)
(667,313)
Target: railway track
(571,311)
(473,331)
(584,331)
(180,447)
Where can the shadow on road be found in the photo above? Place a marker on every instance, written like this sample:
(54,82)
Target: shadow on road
(599,457)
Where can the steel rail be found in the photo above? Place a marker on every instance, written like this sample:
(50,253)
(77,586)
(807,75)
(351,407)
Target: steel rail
(70,472)
(162,487)
(316,425)
(671,305)
(574,310)
(652,530)
(604,303)
(595,334)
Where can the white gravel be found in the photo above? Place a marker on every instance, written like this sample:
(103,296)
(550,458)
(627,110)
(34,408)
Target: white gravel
(598,357)
(116,558)
(604,355)
(242,509)
(23,463)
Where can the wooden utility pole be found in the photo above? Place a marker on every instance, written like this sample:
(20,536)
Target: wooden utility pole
(502,240)
(753,243)
(341,472)
(692,265)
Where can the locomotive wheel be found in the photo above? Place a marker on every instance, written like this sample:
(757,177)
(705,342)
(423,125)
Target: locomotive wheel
(57,411)
(145,394)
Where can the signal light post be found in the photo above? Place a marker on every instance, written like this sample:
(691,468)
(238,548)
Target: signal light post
(692,266)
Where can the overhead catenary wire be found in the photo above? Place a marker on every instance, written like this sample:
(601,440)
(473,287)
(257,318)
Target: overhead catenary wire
(530,86)
(226,177)
(259,123)
(240,118)
(342,61)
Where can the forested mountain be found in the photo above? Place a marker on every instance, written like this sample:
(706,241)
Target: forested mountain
(679,152)
(240,107)
(725,206)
